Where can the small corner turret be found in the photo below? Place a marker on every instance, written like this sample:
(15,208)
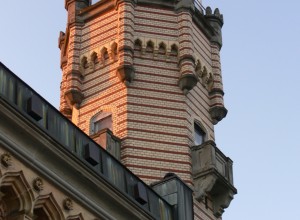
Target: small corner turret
(217,109)
(73,7)
(216,21)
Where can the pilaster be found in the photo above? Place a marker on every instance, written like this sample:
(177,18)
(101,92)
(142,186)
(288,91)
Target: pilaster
(125,71)
(187,79)
(217,108)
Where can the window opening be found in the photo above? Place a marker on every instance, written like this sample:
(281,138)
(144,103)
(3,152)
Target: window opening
(199,134)
(102,121)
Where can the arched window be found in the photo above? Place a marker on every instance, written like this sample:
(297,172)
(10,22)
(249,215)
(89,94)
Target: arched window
(46,208)
(101,121)
(16,196)
(199,134)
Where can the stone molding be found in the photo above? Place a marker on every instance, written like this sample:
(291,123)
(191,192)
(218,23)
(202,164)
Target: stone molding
(67,166)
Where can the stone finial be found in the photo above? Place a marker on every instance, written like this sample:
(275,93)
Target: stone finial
(6,160)
(208,11)
(217,12)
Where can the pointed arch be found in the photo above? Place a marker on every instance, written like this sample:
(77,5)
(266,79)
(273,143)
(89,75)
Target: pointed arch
(174,50)
(94,57)
(75,217)
(162,48)
(84,62)
(46,208)
(114,50)
(150,46)
(204,72)
(104,54)
(138,44)
(198,68)
(17,195)
(210,81)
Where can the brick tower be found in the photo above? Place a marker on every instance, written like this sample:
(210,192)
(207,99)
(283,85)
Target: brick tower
(143,79)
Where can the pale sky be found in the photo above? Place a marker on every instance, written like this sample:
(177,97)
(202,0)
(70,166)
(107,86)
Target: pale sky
(260,57)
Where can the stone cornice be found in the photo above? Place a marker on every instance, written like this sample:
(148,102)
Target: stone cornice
(43,154)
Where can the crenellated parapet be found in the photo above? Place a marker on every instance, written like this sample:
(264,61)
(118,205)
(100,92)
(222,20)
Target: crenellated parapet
(157,47)
(216,21)
(100,56)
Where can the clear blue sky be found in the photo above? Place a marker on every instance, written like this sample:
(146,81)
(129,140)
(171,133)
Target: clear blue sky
(261,78)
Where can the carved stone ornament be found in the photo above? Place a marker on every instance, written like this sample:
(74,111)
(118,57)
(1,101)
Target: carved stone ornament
(68,204)
(205,78)
(6,160)
(126,74)
(38,184)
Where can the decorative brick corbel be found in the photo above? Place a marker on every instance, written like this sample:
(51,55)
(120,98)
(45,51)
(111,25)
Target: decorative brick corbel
(126,74)
(217,111)
(187,82)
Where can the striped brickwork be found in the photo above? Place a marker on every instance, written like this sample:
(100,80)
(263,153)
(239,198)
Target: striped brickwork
(204,210)
(217,97)
(153,117)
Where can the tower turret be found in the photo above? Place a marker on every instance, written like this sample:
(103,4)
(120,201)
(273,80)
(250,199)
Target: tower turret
(149,71)
(217,109)
(71,85)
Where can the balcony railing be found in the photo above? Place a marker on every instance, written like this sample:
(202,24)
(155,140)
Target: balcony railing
(36,109)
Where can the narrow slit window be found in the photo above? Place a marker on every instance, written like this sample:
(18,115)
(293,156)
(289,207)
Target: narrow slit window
(199,134)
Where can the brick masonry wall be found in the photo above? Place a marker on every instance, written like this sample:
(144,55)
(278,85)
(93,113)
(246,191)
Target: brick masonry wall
(152,116)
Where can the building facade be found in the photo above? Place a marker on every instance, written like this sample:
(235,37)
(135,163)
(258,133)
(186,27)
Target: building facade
(141,92)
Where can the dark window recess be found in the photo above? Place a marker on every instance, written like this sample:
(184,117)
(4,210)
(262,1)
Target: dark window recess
(140,193)
(199,134)
(102,121)
(35,108)
(91,154)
